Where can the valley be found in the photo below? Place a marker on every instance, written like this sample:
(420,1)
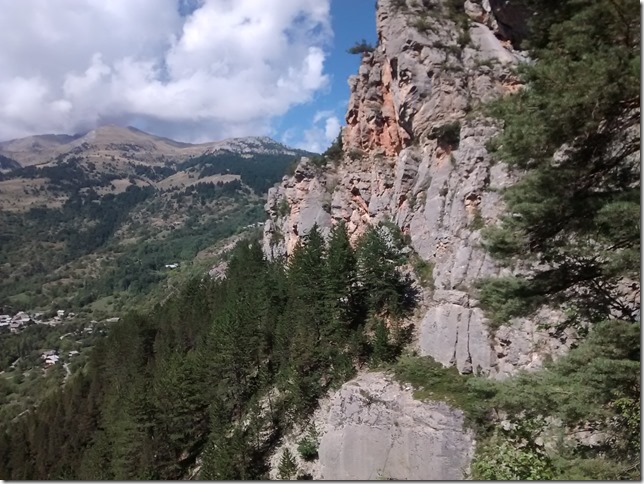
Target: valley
(96,226)
(451,291)
(92,221)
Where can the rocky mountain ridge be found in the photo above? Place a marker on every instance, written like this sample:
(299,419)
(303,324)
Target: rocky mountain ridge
(120,142)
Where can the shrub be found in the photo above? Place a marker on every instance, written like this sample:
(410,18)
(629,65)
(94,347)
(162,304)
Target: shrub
(283,207)
(447,134)
(355,154)
(506,297)
(464,37)
(362,47)
(477,222)
(422,24)
(424,270)
(335,152)
(432,381)
(308,446)
(399,4)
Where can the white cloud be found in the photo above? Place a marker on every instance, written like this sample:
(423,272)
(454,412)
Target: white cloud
(323,131)
(226,68)
(331,128)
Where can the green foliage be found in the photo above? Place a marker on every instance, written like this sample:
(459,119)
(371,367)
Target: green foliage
(335,151)
(379,255)
(433,381)
(308,446)
(424,270)
(448,134)
(189,377)
(362,47)
(464,37)
(422,24)
(383,349)
(355,154)
(575,129)
(259,172)
(399,4)
(478,222)
(287,467)
(596,383)
(283,207)
(504,298)
(500,460)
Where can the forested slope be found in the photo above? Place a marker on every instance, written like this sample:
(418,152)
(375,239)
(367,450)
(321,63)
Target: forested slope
(260,347)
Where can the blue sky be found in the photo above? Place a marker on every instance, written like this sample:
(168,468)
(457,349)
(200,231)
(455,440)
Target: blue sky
(191,70)
(351,21)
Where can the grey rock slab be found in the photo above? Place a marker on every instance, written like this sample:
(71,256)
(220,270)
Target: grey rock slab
(376,429)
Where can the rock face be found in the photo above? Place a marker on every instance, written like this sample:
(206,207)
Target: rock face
(377,430)
(415,153)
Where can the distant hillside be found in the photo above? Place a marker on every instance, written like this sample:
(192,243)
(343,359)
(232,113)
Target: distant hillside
(111,158)
(95,225)
(7,164)
(131,144)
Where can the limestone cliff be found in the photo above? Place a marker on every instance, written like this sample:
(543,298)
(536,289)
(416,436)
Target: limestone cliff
(415,153)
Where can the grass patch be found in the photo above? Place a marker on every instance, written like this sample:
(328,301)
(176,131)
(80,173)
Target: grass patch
(422,24)
(424,270)
(477,222)
(432,381)
(504,298)
(283,207)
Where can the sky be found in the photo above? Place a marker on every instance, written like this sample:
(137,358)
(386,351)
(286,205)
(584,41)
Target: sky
(191,70)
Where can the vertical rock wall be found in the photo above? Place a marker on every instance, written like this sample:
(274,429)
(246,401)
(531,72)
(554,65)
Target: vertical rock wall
(415,153)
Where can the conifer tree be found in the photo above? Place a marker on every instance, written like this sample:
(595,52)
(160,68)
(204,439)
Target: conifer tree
(287,467)
(341,282)
(575,129)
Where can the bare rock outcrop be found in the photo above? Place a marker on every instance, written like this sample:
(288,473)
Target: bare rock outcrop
(415,152)
(373,428)
(376,429)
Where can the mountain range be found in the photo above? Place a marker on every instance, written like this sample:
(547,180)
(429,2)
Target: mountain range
(102,213)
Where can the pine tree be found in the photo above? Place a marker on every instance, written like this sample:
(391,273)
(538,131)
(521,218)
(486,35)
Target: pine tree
(575,129)
(287,467)
(341,280)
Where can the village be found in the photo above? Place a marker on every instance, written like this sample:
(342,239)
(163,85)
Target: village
(23,319)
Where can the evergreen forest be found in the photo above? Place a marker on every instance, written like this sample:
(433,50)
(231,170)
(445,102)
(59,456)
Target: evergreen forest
(268,339)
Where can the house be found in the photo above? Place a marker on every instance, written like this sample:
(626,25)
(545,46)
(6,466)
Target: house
(49,357)
(74,353)
(174,265)
(21,317)
(60,313)
(51,360)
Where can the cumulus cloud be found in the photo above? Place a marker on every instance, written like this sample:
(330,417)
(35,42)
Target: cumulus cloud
(323,131)
(189,69)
